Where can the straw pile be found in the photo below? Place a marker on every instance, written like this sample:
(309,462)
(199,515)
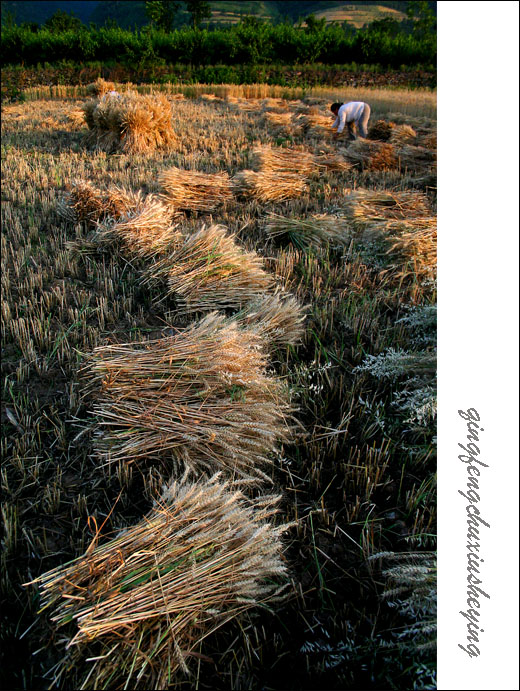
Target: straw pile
(416,158)
(367,207)
(279,123)
(335,162)
(193,191)
(268,186)
(130,122)
(199,399)
(277,318)
(412,244)
(316,125)
(419,123)
(372,155)
(146,232)
(402,134)
(267,158)
(100,87)
(138,606)
(317,230)
(381,130)
(211,272)
(86,203)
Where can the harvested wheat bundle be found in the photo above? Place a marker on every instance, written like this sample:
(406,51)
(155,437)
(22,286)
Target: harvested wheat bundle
(368,207)
(86,203)
(428,140)
(416,158)
(88,112)
(211,272)
(145,232)
(279,123)
(335,162)
(100,87)
(372,155)
(267,158)
(139,606)
(199,399)
(402,134)
(131,122)
(273,103)
(412,244)
(190,190)
(380,130)
(278,318)
(316,125)
(417,122)
(268,186)
(315,231)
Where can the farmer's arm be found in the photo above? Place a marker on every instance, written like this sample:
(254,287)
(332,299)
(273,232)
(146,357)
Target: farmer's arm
(342,118)
(336,122)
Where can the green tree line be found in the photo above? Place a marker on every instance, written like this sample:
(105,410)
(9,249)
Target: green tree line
(248,42)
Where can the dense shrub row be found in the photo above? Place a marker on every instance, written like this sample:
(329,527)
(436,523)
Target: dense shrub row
(239,44)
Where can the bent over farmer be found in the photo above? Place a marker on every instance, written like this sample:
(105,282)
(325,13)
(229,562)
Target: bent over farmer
(353,114)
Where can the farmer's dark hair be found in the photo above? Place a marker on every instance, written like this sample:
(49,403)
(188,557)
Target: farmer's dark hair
(335,107)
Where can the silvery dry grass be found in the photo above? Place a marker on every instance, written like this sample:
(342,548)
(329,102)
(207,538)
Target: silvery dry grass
(317,230)
(366,207)
(139,606)
(190,190)
(130,122)
(201,398)
(210,271)
(278,318)
(268,186)
(86,203)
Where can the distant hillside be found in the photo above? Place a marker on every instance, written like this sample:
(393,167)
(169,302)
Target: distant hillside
(129,13)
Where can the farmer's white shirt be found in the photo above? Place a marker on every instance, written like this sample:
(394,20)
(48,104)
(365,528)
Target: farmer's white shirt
(348,112)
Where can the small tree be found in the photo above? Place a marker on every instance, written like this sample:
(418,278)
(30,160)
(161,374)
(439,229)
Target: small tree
(199,11)
(425,21)
(63,21)
(315,25)
(162,13)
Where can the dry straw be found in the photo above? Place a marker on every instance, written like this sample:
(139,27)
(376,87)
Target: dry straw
(138,607)
(268,186)
(402,134)
(380,130)
(200,398)
(100,87)
(268,158)
(417,159)
(412,245)
(190,190)
(279,123)
(86,203)
(130,122)
(210,271)
(278,318)
(368,207)
(317,230)
(372,155)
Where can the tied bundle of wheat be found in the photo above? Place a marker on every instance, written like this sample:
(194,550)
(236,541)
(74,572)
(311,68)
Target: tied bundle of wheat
(417,159)
(315,124)
(278,318)
(335,162)
(211,272)
(368,207)
(428,140)
(412,246)
(268,186)
(190,190)
(130,122)
(279,123)
(419,123)
(200,398)
(381,130)
(86,203)
(146,232)
(268,103)
(372,155)
(402,134)
(100,87)
(315,231)
(267,158)
(138,606)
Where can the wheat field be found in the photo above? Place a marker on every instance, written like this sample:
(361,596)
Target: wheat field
(320,284)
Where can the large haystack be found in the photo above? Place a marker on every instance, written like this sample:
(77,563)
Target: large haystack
(193,191)
(268,186)
(211,272)
(135,610)
(200,398)
(130,122)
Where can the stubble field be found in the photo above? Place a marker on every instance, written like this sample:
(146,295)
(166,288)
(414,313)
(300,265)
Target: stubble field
(335,380)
